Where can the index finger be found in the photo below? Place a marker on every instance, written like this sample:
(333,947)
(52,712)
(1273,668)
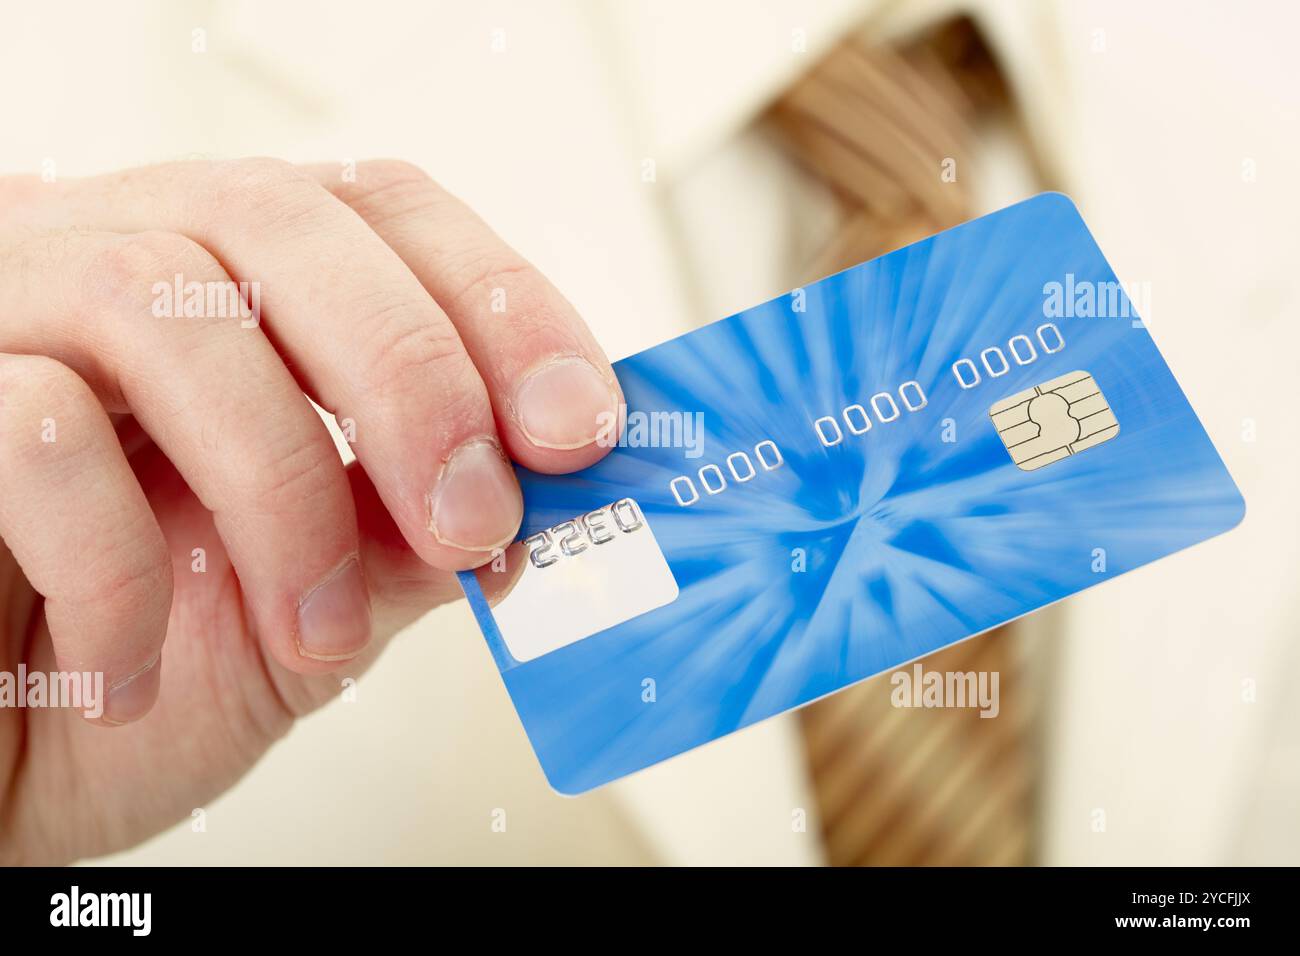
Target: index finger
(553,391)
(357,329)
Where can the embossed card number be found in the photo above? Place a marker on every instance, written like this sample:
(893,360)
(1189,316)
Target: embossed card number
(578,578)
(571,538)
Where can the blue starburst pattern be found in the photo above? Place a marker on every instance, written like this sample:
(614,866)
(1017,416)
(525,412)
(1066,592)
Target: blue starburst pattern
(884,517)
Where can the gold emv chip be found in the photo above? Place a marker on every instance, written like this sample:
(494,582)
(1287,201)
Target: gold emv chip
(1054,420)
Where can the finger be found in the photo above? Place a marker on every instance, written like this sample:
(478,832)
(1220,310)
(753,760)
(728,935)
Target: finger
(216,399)
(366,340)
(77,522)
(552,388)
(404,586)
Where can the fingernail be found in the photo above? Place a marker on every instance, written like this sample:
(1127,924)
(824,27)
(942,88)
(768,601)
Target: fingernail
(130,699)
(334,616)
(561,404)
(476,504)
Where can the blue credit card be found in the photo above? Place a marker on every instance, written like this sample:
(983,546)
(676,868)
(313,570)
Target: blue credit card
(839,481)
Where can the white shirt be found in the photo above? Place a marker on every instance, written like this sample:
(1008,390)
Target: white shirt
(545,117)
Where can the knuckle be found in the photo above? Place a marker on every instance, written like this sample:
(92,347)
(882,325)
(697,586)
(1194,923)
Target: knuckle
(482,273)
(255,173)
(132,584)
(40,400)
(25,376)
(302,475)
(537,332)
(389,189)
(36,390)
(382,173)
(126,271)
(274,189)
(407,354)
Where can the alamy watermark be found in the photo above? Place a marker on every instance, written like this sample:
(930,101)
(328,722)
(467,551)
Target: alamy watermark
(639,429)
(922,688)
(79,690)
(133,911)
(179,299)
(1085,299)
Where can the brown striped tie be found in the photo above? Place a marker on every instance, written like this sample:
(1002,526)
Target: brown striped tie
(911,785)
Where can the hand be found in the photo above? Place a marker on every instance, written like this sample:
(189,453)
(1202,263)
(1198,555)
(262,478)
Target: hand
(176,514)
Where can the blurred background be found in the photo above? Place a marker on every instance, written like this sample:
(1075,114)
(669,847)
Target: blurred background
(670,162)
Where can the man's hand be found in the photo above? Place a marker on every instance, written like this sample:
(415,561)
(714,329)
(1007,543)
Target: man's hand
(176,514)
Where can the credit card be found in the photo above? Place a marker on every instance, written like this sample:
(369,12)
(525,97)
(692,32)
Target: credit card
(842,480)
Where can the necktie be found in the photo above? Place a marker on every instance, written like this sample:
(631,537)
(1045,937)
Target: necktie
(891,132)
